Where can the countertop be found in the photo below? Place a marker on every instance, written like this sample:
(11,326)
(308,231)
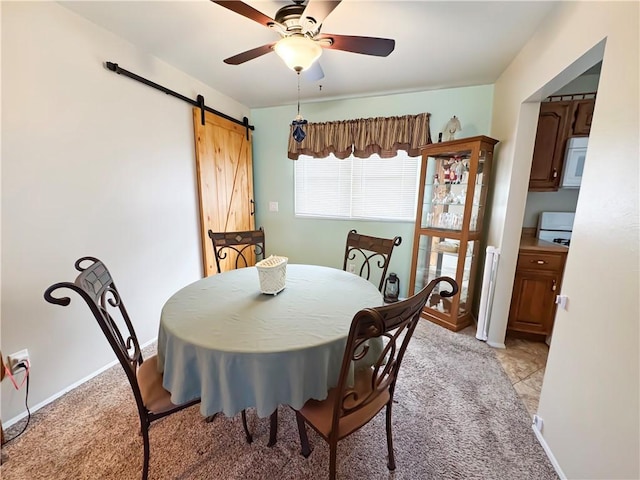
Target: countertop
(533,244)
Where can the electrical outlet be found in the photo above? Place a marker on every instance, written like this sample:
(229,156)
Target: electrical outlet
(538,422)
(351,268)
(17,358)
(562,301)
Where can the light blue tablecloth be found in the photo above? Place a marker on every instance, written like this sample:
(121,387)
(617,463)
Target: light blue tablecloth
(222,340)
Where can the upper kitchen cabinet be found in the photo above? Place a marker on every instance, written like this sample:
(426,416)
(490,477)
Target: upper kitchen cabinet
(583,115)
(454,182)
(558,121)
(548,151)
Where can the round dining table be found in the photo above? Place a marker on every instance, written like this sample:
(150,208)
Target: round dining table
(223,341)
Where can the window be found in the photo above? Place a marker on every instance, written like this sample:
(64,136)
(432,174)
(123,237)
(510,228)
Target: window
(371,188)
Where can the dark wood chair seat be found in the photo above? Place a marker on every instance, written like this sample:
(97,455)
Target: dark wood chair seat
(319,413)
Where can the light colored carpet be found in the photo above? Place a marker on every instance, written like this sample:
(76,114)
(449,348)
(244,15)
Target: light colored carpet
(456,416)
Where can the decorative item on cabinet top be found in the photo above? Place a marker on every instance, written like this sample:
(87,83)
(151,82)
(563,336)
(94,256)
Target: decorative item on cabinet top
(454,183)
(450,129)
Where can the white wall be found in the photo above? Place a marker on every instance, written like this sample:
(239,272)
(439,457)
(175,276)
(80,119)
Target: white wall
(93,163)
(322,242)
(586,83)
(564,200)
(590,396)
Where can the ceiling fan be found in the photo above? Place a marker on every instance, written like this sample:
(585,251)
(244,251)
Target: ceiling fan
(301,42)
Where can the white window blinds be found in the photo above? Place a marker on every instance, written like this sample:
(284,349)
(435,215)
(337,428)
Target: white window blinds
(357,188)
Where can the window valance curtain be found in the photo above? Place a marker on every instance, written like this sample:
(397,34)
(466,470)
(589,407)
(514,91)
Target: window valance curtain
(363,137)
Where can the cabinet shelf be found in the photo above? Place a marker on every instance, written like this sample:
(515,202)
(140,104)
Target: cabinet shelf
(449,223)
(452,254)
(451,204)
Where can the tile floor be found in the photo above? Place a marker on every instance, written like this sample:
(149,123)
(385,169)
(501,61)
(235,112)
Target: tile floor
(524,362)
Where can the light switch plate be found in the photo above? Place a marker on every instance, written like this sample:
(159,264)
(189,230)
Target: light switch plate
(273,206)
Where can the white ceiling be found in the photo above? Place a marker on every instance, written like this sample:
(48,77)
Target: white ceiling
(439,44)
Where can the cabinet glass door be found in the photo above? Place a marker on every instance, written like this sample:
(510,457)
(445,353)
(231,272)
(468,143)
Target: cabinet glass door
(445,193)
(439,257)
(447,190)
(479,196)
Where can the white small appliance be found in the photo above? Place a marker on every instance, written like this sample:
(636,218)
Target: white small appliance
(574,162)
(556,227)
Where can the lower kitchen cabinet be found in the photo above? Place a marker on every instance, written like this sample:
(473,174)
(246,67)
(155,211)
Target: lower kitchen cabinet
(537,282)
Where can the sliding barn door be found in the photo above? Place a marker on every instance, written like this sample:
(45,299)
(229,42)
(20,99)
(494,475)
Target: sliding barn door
(225,181)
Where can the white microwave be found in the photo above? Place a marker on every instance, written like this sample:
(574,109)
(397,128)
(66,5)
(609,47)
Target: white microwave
(574,162)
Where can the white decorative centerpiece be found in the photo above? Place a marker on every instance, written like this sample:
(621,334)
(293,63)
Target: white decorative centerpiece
(451,128)
(272,272)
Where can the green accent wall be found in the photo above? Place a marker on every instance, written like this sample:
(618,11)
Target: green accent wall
(322,241)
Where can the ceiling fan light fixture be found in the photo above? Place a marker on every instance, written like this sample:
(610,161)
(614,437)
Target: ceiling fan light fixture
(298,52)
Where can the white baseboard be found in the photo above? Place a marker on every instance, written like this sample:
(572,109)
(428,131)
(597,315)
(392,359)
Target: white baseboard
(547,450)
(55,396)
(496,344)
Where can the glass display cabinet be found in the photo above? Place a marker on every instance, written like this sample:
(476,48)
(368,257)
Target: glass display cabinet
(454,181)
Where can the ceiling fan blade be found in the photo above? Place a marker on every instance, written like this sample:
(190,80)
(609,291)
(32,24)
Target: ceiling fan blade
(380,47)
(249,54)
(314,72)
(246,11)
(318,10)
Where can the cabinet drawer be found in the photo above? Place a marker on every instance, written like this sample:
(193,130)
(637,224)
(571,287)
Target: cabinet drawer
(540,261)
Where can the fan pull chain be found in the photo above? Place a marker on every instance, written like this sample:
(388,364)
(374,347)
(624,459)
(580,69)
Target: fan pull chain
(298,133)
(298,117)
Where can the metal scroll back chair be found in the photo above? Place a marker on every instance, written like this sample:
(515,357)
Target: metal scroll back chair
(365,252)
(247,247)
(96,287)
(352,404)
(242,249)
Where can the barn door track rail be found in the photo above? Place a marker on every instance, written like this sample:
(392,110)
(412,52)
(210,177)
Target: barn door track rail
(199,102)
